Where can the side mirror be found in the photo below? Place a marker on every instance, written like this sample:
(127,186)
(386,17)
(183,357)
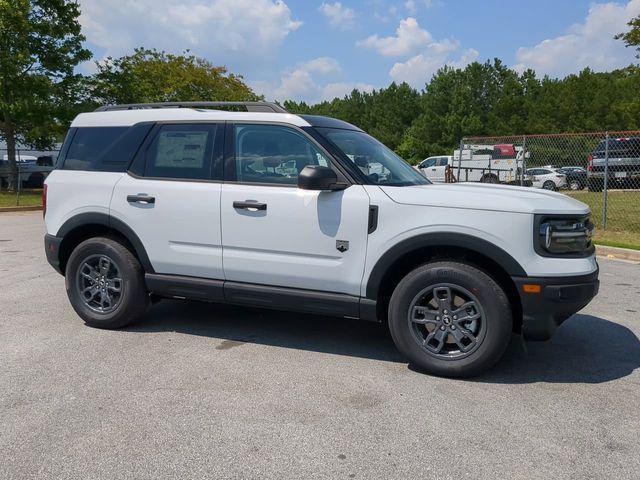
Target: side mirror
(317,177)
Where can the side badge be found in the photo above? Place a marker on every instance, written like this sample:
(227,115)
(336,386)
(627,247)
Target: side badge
(342,245)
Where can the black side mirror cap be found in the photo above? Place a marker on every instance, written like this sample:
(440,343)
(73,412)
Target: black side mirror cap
(318,177)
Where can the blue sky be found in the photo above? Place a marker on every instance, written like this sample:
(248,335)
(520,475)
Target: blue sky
(317,49)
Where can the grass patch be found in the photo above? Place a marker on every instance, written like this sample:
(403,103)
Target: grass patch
(623,217)
(28,197)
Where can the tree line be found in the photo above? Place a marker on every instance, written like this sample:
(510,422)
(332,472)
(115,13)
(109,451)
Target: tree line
(41,46)
(487,99)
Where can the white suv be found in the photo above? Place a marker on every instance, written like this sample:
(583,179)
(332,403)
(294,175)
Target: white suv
(548,178)
(307,213)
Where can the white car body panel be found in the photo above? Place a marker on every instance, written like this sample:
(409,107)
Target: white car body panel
(499,198)
(72,192)
(428,212)
(293,242)
(181,230)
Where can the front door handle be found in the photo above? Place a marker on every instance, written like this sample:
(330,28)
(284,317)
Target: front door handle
(251,206)
(141,198)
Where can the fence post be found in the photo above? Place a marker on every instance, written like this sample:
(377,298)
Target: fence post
(606,178)
(18,182)
(524,160)
(460,158)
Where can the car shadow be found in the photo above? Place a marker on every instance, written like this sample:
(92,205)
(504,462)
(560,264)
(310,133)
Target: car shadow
(235,325)
(586,349)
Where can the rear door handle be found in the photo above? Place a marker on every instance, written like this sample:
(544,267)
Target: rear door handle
(251,206)
(141,198)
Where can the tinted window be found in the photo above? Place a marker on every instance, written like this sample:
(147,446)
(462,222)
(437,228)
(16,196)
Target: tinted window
(273,154)
(181,151)
(429,162)
(376,162)
(88,146)
(621,148)
(442,161)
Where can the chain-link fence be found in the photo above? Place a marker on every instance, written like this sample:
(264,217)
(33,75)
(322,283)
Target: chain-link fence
(33,167)
(600,169)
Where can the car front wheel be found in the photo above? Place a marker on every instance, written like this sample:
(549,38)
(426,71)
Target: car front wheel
(105,283)
(450,319)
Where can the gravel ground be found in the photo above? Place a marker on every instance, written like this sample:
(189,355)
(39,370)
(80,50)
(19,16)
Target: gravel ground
(208,391)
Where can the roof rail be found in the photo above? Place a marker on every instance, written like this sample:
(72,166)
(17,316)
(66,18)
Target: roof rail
(268,107)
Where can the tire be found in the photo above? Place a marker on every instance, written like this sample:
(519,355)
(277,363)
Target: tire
(549,185)
(575,185)
(85,271)
(489,178)
(493,330)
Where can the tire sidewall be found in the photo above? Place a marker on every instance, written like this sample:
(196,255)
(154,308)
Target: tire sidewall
(494,303)
(130,273)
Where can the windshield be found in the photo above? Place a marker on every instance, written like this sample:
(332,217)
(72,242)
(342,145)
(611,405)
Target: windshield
(378,163)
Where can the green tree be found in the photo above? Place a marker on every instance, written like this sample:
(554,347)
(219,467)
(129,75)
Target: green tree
(40,45)
(157,76)
(632,37)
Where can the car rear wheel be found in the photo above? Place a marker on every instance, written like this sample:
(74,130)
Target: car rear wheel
(105,283)
(489,178)
(450,319)
(549,185)
(575,185)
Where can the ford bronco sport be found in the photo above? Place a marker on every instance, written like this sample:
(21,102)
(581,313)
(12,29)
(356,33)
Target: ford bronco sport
(306,213)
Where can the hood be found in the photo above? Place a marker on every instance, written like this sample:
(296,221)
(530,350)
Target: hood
(480,196)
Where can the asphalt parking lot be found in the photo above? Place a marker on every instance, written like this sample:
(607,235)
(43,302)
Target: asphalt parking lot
(207,391)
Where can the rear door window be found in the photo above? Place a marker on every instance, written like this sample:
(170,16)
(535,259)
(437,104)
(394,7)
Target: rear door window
(181,151)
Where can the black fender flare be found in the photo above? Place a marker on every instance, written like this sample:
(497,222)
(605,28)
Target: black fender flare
(444,239)
(112,223)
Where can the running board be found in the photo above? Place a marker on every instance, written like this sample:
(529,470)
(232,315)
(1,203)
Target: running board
(265,296)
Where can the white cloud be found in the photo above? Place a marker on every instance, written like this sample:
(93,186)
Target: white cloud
(340,89)
(412,5)
(409,38)
(213,28)
(311,81)
(338,15)
(588,44)
(418,70)
(322,65)
(426,54)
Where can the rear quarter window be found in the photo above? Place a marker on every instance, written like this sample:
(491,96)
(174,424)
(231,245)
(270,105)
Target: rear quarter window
(108,149)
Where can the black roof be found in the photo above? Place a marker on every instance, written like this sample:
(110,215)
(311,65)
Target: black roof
(328,122)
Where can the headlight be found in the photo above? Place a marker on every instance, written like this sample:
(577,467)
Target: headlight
(563,235)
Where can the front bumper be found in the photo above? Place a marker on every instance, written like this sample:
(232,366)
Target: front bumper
(52,249)
(557,299)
